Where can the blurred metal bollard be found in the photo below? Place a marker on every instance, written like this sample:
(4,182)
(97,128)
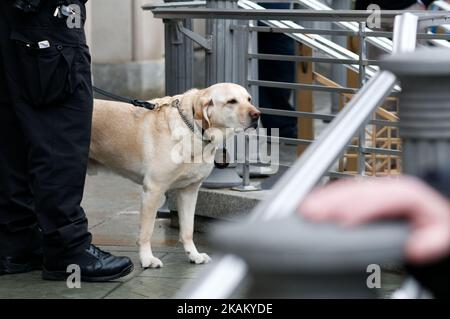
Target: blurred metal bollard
(291,258)
(424,108)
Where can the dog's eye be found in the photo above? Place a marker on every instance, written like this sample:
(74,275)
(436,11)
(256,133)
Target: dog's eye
(232,101)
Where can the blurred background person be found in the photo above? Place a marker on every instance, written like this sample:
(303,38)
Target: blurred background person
(278,71)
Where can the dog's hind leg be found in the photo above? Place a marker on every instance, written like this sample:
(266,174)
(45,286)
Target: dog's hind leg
(151,200)
(186,201)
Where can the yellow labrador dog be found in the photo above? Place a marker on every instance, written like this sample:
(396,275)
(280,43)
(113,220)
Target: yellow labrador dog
(169,148)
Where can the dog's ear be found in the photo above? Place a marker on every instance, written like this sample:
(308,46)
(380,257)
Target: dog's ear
(203,109)
(206,109)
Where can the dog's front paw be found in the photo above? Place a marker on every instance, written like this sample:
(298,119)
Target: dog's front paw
(199,258)
(151,262)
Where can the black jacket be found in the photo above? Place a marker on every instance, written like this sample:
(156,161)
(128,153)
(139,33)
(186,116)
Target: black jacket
(389,4)
(435,277)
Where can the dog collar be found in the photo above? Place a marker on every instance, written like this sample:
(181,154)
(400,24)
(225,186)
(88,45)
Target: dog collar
(193,127)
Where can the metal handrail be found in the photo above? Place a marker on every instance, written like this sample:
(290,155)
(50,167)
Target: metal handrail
(280,19)
(226,274)
(383,43)
(373,34)
(312,40)
(441,5)
(286,14)
(319,116)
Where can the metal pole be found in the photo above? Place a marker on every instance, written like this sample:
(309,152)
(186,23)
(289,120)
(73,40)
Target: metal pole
(339,72)
(362,76)
(179,58)
(246,168)
(405,33)
(219,61)
(252,64)
(246,185)
(221,66)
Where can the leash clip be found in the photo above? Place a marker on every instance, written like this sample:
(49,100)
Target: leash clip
(144,104)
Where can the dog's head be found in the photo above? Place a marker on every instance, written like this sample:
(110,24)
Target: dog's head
(226,105)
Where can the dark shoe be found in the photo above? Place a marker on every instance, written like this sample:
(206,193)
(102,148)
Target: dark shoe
(95,265)
(20,264)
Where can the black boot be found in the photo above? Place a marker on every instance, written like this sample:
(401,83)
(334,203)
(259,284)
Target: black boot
(95,265)
(21,263)
(26,260)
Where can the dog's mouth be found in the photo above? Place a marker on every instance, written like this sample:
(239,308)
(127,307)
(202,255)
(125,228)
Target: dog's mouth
(243,128)
(254,126)
(239,130)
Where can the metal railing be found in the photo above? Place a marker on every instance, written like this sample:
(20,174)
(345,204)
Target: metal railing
(235,47)
(441,6)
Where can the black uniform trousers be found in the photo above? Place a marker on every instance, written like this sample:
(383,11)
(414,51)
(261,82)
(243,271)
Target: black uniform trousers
(45,123)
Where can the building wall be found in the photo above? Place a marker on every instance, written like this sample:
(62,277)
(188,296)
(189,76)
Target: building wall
(127,46)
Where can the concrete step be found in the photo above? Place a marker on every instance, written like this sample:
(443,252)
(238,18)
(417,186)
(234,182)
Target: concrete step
(225,204)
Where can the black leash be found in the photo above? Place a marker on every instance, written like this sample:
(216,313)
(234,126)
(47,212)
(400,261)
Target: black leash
(151,106)
(135,102)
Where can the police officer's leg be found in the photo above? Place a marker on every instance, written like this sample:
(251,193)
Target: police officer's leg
(59,145)
(17,218)
(55,112)
(19,234)
(57,136)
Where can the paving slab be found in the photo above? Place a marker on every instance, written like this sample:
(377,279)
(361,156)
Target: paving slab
(107,194)
(148,288)
(31,286)
(176,265)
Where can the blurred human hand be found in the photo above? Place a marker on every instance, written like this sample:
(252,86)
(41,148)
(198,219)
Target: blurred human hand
(351,202)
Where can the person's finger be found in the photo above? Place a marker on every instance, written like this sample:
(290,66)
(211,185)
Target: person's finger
(329,201)
(353,203)
(408,198)
(344,201)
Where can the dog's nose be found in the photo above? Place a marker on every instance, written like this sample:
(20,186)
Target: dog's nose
(255,114)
